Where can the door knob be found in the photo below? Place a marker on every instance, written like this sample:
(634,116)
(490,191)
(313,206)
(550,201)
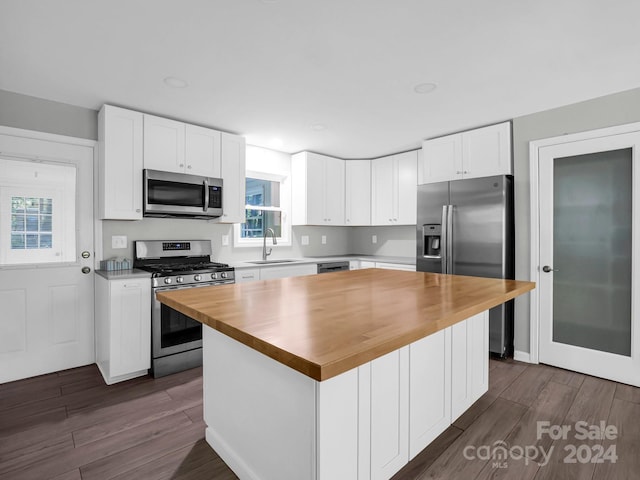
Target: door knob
(547,269)
(85,270)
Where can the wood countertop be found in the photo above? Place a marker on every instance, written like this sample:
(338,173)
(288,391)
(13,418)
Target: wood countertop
(324,325)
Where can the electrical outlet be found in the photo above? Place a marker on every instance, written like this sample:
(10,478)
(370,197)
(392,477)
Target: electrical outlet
(118,241)
(225,240)
(304,240)
(324,239)
(374,238)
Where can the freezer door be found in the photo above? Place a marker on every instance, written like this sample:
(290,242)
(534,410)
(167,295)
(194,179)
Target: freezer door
(431,198)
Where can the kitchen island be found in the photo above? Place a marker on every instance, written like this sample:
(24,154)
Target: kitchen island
(342,375)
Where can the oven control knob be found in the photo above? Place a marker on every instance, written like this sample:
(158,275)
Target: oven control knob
(180,280)
(223,275)
(167,280)
(197,278)
(214,276)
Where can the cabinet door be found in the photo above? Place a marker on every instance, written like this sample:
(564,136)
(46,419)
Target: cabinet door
(130,326)
(469,362)
(268,273)
(429,389)
(407,191)
(382,192)
(202,151)
(357,192)
(334,191)
(163,144)
(316,186)
(233,178)
(120,163)
(247,275)
(389,407)
(487,151)
(442,159)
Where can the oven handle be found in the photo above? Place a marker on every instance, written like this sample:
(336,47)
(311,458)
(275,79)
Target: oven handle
(192,285)
(206,194)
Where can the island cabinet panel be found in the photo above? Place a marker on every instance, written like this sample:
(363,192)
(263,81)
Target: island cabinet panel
(429,389)
(389,409)
(469,362)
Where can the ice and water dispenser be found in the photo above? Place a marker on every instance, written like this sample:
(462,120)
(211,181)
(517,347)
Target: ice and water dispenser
(431,240)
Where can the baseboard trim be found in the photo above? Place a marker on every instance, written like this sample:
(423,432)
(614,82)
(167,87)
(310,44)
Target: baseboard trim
(522,356)
(229,456)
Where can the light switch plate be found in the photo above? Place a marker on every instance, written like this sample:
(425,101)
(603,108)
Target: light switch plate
(324,239)
(118,241)
(304,240)
(225,240)
(374,239)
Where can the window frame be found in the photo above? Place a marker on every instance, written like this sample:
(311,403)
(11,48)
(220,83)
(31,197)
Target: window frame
(285,208)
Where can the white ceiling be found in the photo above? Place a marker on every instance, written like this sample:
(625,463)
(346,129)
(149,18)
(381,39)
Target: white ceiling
(273,68)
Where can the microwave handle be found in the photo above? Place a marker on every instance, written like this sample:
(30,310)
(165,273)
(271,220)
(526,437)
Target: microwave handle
(206,194)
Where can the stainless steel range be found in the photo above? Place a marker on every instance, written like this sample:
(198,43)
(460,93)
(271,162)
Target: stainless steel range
(176,340)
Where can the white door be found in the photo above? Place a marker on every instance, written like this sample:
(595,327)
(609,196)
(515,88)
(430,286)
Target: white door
(589,209)
(46,224)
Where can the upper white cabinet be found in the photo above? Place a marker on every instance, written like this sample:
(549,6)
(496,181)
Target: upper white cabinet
(357,200)
(482,152)
(394,189)
(173,146)
(120,163)
(317,189)
(233,178)
(202,151)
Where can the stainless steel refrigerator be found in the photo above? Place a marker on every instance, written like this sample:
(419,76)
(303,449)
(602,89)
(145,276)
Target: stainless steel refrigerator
(465,227)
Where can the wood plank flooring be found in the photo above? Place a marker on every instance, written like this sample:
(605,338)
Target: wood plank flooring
(69,425)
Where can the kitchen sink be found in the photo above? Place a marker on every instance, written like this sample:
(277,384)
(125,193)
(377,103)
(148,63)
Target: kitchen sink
(263,262)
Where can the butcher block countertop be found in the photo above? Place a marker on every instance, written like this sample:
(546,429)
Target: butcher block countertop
(324,325)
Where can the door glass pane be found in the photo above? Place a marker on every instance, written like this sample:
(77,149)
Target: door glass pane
(592,251)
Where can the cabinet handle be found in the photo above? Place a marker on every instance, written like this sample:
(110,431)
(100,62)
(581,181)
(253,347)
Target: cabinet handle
(137,210)
(465,172)
(458,172)
(181,165)
(188,166)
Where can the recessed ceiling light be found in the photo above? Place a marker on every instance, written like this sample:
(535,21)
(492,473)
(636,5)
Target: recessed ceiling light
(175,82)
(318,127)
(423,88)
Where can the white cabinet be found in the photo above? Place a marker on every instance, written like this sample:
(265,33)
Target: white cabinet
(389,413)
(357,192)
(123,327)
(247,275)
(164,144)
(482,152)
(469,362)
(173,146)
(396,266)
(317,189)
(394,189)
(284,271)
(233,177)
(429,389)
(202,151)
(120,164)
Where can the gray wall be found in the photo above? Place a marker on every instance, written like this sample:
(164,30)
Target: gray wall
(602,112)
(31,113)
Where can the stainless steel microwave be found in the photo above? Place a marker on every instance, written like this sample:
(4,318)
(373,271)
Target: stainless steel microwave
(168,194)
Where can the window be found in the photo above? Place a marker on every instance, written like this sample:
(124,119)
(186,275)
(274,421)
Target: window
(37,212)
(262,208)
(267,205)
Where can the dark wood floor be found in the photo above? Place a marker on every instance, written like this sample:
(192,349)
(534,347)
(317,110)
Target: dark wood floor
(69,425)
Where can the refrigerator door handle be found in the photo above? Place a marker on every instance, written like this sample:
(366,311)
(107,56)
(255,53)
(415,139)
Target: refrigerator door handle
(444,240)
(450,239)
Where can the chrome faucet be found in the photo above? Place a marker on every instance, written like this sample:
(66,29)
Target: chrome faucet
(265,254)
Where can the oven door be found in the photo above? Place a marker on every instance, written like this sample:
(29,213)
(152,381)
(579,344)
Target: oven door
(171,331)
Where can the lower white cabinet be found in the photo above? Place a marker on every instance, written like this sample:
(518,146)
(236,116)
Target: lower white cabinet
(285,271)
(396,266)
(123,327)
(469,362)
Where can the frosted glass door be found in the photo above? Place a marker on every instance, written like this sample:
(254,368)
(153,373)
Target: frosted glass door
(588,258)
(592,251)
